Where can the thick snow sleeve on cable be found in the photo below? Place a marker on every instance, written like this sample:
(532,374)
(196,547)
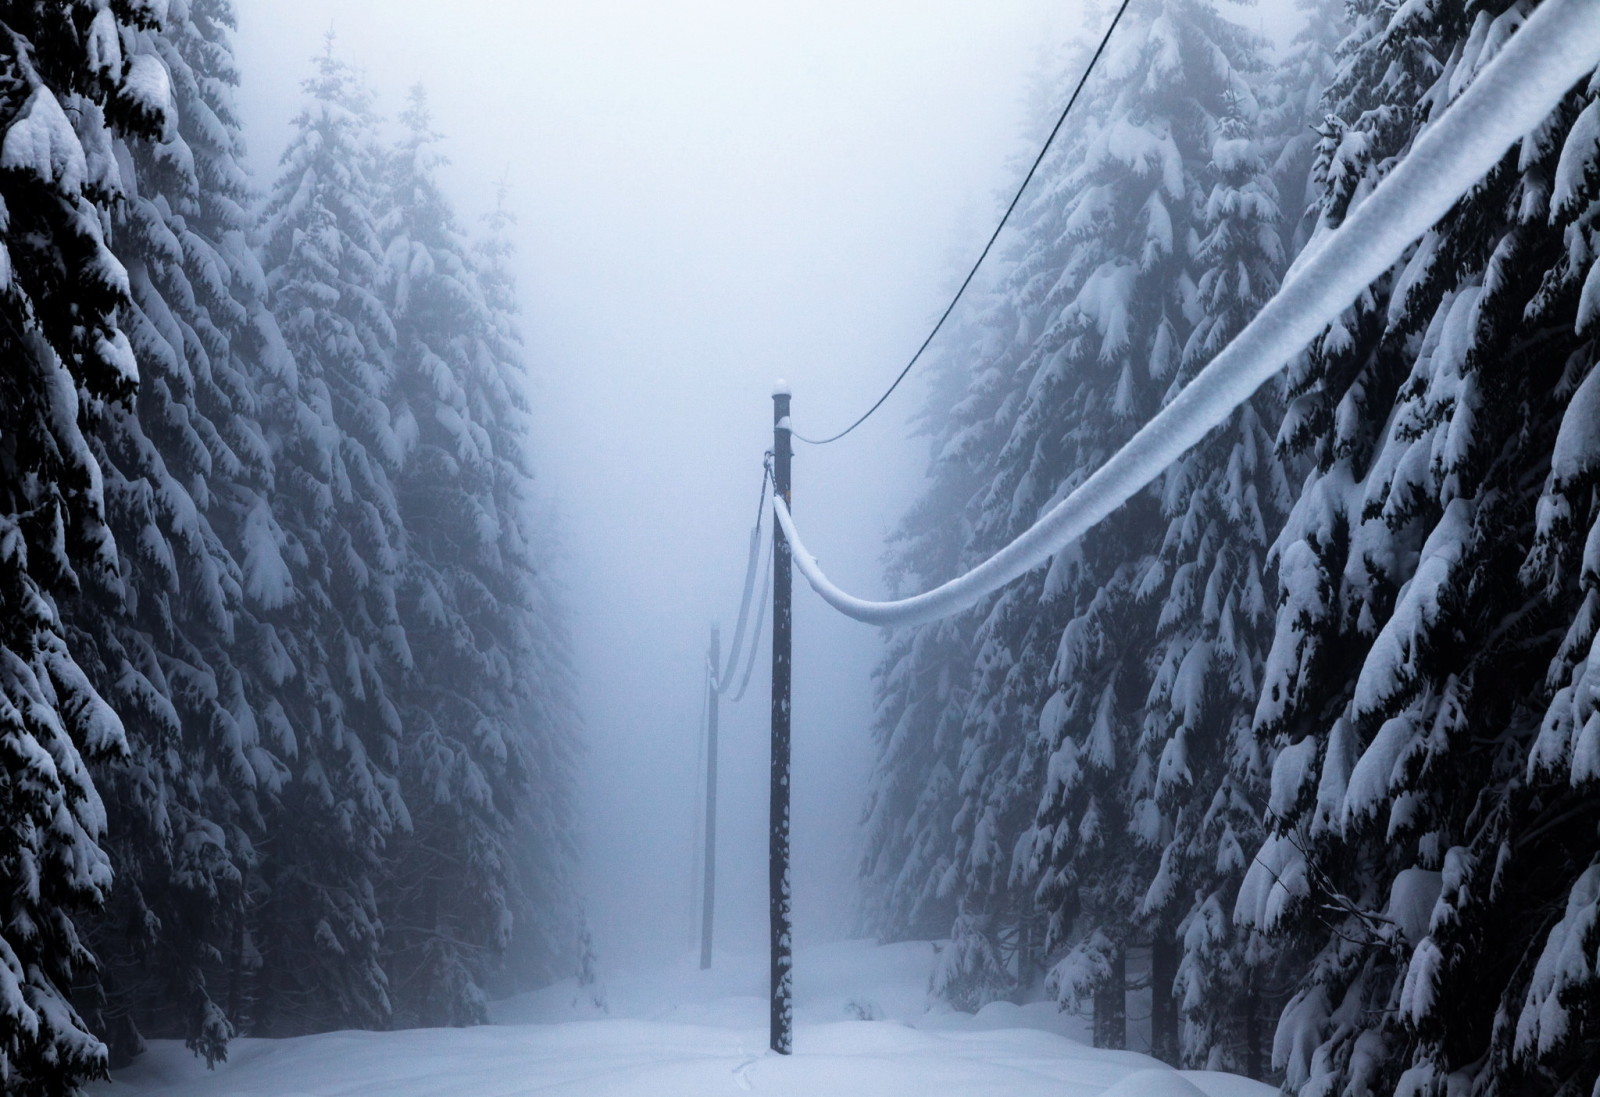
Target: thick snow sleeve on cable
(1558,46)
(722,677)
(755,633)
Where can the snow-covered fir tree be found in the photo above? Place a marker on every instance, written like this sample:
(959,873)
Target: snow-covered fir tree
(1162,222)
(918,864)
(922,679)
(1144,245)
(1432,809)
(543,843)
(1104,696)
(477,745)
(186,471)
(1223,502)
(590,991)
(70,82)
(237,485)
(332,648)
(1292,99)
(1547,1032)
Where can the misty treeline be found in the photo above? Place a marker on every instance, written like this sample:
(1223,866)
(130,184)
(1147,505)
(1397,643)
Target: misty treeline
(285,712)
(1299,752)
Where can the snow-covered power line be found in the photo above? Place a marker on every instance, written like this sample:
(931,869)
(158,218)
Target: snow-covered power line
(722,676)
(755,631)
(1557,47)
(719,677)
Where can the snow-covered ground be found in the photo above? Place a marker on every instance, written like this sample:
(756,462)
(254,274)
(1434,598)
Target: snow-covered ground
(863,1026)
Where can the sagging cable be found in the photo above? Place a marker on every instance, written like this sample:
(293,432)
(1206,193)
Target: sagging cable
(1557,47)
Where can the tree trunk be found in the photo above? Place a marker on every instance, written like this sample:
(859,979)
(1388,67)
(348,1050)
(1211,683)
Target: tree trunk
(236,957)
(1163,1006)
(1252,1028)
(1111,1004)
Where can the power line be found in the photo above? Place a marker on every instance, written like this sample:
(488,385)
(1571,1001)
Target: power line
(722,678)
(1532,74)
(1105,40)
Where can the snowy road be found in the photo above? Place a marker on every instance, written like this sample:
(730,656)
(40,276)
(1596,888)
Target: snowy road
(684,1034)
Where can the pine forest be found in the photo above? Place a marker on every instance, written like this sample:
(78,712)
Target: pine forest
(287,726)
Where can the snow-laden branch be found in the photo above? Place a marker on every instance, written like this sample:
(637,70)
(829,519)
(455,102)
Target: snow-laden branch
(1557,47)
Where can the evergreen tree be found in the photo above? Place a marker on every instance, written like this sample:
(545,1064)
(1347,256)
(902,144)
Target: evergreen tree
(186,470)
(1143,247)
(1547,1033)
(477,747)
(590,992)
(1151,275)
(1295,112)
(1432,841)
(69,85)
(922,680)
(919,862)
(1222,502)
(543,698)
(332,650)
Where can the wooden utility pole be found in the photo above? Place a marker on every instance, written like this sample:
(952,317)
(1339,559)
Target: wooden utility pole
(708,899)
(782,1028)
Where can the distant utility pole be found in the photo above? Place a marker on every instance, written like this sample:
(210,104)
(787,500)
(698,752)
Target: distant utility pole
(778,836)
(708,899)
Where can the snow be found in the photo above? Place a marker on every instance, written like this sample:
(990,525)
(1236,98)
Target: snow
(1564,966)
(1412,898)
(753,648)
(1578,157)
(1511,96)
(863,1026)
(149,85)
(722,677)
(1577,447)
(1389,667)
(42,142)
(1292,772)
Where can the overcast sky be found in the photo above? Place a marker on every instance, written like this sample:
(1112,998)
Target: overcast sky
(712,194)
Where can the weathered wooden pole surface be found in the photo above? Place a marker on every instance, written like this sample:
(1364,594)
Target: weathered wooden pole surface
(708,897)
(782,1028)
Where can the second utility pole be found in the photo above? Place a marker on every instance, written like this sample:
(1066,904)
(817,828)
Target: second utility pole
(708,901)
(778,835)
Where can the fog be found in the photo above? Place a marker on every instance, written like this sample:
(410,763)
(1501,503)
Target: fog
(711,195)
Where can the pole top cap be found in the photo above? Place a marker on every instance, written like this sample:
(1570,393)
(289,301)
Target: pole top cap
(781,388)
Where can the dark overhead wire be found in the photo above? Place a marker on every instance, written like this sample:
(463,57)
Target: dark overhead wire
(1105,39)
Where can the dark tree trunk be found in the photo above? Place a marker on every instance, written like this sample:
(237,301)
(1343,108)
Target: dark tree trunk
(1253,1037)
(1111,1005)
(1163,1006)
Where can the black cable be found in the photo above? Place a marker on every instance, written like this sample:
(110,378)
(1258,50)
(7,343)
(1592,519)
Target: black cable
(967,281)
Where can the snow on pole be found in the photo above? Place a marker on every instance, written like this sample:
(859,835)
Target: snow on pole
(1557,47)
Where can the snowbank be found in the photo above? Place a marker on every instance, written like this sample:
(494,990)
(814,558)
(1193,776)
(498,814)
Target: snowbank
(863,1026)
